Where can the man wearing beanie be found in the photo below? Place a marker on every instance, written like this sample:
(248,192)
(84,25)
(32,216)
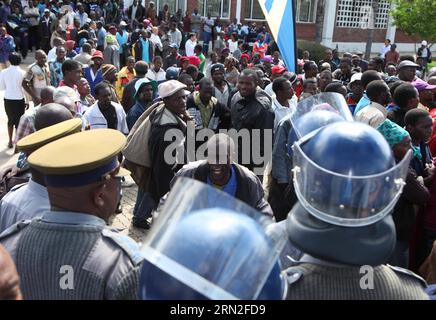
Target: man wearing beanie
(110,74)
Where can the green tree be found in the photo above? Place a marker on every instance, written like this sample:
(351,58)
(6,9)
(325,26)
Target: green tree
(416,18)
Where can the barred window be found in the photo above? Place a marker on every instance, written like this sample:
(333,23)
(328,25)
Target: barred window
(357,14)
(216,8)
(173,5)
(253,10)
(305,10)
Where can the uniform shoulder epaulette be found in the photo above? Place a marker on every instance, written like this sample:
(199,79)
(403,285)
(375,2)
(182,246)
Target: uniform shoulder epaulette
(129,246)
(14,228)
(293,274)
(408,273)
(18,186)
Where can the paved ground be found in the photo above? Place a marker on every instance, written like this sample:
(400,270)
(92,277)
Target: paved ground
(122,221)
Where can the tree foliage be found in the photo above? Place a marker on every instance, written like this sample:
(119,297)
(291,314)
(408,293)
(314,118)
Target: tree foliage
(416,18)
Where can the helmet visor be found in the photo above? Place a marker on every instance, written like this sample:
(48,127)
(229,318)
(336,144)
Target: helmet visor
(228,269)
(346,200)
(327,101)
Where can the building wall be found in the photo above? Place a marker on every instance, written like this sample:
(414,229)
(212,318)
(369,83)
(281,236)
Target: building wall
(192,4)
(356,35)
(400,36)
(305,31)
(346,39)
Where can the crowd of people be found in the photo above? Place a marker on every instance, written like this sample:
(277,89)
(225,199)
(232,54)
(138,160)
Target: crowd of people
(138,74)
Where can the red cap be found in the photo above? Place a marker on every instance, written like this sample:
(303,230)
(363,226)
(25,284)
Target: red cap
(244,55)
(194,60)
(278,70)
(97,54)
(183,59)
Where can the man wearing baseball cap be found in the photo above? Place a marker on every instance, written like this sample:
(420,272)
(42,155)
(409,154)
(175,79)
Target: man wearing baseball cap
(173,58)
(276,72)
(426,99)
(72,239)
(222,88)
(407,70)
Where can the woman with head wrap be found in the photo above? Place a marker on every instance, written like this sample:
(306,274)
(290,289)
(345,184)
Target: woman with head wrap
(415,194)
(110,54)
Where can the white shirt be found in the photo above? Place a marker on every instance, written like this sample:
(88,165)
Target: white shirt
(67,20)
(268,89)
(23,202)
(233,45)
(208,25)
(34,21)
(97,120)
(189,47)
(281,111)
(222,97)
(155,39)
(424,53)
(51,56)
(134,8)
(156,76)
(175,37)
(384,50)
(374,115)
(11,80)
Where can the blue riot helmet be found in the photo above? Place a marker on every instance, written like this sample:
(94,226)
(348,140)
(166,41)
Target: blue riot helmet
(209,245)
(310,122)
(347,183)
(316,112)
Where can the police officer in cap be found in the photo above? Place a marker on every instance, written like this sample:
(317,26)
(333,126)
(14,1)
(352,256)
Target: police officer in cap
(347,184)
(30,200)
(70,253)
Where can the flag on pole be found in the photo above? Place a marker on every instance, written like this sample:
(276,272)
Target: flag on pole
(281,20)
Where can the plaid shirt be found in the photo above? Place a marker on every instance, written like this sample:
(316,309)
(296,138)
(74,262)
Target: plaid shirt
(26,125)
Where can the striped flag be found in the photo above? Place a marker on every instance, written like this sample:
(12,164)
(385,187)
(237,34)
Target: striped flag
(281,20)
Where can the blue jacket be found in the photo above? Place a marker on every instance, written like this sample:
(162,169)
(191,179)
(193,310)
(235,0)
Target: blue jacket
(7,45)
(96,81)
(134,113)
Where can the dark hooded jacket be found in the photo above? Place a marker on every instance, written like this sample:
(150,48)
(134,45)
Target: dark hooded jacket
(163,170)
(252,113)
